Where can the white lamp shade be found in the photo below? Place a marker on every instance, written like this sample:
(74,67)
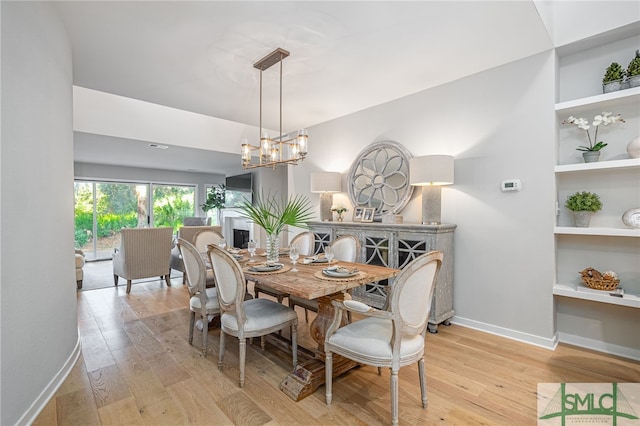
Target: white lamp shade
(431,170)
(326,182)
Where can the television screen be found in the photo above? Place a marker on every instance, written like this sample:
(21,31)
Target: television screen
(238,188)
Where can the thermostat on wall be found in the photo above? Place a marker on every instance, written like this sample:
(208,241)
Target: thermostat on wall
(511,185)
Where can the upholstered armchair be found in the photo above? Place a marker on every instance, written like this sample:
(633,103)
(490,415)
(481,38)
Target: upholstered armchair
(143,253)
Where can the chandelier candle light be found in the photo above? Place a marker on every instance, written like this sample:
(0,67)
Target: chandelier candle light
(280,150)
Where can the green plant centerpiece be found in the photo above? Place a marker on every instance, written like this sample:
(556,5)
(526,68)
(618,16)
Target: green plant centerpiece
(633,70)
(612,79)
(583,204)
(273,213)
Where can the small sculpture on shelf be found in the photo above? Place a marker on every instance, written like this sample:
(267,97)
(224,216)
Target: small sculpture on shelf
(583,205)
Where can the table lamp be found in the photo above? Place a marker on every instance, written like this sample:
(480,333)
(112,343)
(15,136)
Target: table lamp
(326,183)
(431,172)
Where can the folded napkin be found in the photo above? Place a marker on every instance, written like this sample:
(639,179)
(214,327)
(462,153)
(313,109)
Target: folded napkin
(342,269)
(315,259)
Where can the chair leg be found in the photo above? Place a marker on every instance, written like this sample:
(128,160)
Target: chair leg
(394,397)
(167,279)
(128,286)
(192,321)
(115,280)
(205,334)
(328,371)
(423,382)
(263,343)
(294,343)
(243,356)
(221,353)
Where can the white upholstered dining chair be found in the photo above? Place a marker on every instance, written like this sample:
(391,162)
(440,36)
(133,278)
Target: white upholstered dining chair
(201,241)
(345,248)
(203,301)
(389,338)
(304,242)
(246,319)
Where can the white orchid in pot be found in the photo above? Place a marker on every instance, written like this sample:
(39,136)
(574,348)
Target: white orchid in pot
(591,153)
(273,213)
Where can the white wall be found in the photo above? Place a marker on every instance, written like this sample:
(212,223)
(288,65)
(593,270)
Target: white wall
(38,308)
(498,124)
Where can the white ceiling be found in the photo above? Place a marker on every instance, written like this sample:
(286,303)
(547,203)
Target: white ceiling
(345,57)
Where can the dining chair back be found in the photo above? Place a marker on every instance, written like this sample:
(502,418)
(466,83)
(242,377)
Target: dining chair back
(246,318)
(202,301)
(304,242)
(388,338)
(205,237)
(346,248)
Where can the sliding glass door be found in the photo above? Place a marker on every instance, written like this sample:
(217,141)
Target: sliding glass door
(103,208)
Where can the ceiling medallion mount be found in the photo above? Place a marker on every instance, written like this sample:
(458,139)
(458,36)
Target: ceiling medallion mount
(280,150)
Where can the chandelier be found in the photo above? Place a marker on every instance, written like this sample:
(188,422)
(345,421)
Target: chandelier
(282,149)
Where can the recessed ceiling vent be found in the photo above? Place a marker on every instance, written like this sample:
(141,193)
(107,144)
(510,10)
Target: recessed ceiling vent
(158,146)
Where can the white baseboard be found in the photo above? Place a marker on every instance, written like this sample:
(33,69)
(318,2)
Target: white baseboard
(543,342)
(600,346)
(50,390)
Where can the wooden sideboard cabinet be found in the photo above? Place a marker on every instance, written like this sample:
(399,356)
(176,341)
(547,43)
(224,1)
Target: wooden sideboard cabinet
(395,245)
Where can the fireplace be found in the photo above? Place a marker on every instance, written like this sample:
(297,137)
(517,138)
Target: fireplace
(240,238)
(237,230)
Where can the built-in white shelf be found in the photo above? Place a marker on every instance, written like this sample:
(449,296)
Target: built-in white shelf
(603,296)
(629,163)
(606,99)
(605,232)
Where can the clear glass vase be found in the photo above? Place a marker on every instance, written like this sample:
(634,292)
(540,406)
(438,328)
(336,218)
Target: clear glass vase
(273,247)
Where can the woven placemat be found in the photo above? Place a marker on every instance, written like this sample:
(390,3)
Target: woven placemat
(284,268)
(322,276)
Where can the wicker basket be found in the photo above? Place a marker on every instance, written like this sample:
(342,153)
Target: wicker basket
(601,284)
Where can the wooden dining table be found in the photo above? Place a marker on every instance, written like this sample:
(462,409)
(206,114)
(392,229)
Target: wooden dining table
(310,283)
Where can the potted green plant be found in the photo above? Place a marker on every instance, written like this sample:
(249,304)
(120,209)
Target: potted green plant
(273,213)
(591,153)
(583,204)
(613,77)
(215,200)
(633,71)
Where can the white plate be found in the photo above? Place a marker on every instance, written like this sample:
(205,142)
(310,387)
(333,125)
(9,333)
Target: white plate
(269,268)
(335,271)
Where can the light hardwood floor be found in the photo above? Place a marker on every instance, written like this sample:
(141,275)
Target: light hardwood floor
(138,368)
